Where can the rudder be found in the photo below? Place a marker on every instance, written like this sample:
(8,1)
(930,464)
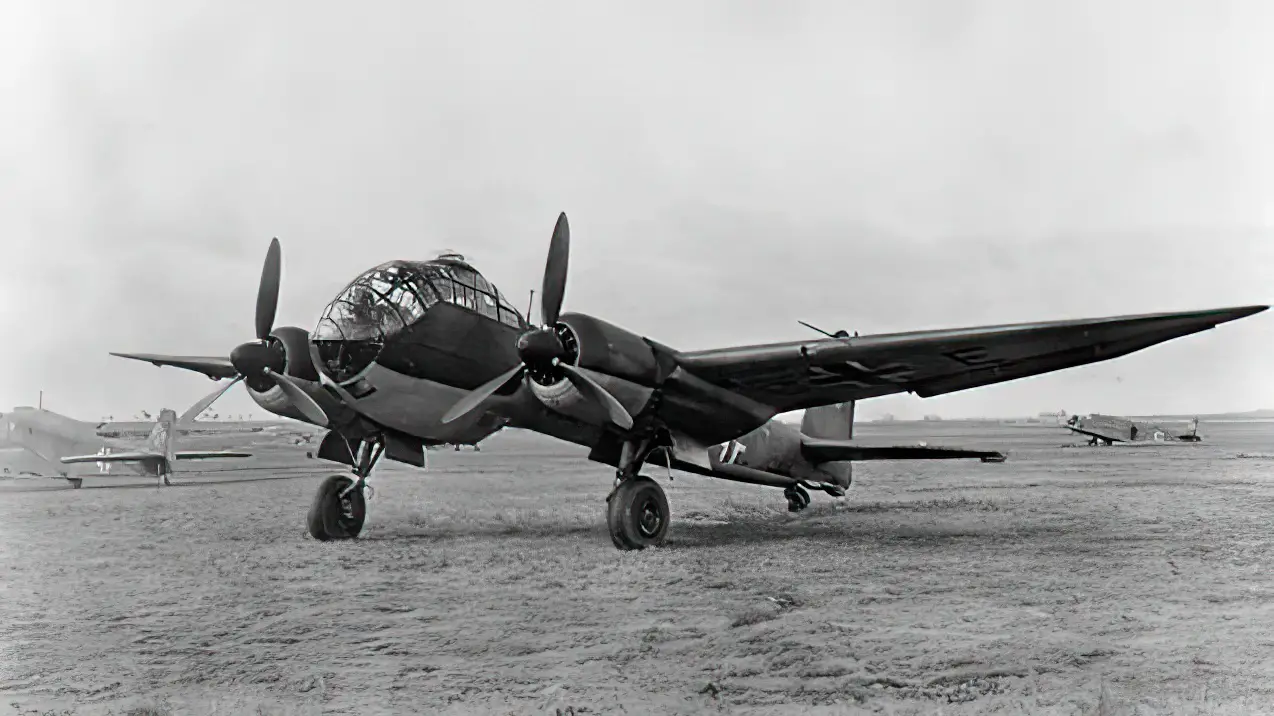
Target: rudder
(161,440)
(829,422)
(832,422)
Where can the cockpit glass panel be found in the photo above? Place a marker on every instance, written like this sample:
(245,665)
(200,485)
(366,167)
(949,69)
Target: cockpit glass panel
(393,296)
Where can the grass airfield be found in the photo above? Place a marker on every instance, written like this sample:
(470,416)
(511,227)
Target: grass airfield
(1064,581)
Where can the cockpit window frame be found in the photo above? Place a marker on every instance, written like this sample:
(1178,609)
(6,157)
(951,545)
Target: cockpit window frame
(418,287)
(473,288)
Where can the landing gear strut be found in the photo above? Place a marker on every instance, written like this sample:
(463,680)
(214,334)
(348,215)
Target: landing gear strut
(637,513)
(340,506)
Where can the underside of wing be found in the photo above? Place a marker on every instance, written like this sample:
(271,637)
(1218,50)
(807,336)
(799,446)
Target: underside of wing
(114,457)
(819,451)
(208,454)
(791,376)
(212,366)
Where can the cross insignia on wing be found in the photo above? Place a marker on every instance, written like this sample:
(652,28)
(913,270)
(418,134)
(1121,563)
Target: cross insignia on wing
(102,466)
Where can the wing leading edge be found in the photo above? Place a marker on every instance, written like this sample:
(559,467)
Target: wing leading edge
(114,457)
(146,456)
(212,366)
(805,374)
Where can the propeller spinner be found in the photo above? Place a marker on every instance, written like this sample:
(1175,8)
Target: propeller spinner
(541,349)
(261,363)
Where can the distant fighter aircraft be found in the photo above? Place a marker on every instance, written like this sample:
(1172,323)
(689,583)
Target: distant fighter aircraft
(1112,429)
(418,353)
(36,442)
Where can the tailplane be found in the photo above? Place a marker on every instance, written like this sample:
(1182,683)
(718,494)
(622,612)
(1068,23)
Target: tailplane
(827,442)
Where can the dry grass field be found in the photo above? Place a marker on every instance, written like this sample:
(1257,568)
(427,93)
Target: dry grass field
(1064,581)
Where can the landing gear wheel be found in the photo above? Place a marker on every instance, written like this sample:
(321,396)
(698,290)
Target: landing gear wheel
(637,514)
(797,498)
(333,517)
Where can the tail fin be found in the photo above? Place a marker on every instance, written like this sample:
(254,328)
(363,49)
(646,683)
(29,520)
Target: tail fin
(161,436)
(829,422)
(832,422)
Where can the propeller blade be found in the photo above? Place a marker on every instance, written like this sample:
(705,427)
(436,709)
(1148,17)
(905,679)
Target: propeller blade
(481,393)
(268,292)
(299,398)
(207,400)
(587,385)
(554,288)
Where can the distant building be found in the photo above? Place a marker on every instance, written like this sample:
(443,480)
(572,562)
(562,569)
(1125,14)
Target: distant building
(933,417)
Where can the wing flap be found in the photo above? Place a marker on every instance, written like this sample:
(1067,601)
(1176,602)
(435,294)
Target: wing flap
(214,367)
(803,374)
(208,454)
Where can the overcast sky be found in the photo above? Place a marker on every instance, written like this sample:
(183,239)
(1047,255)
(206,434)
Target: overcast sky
(728,168)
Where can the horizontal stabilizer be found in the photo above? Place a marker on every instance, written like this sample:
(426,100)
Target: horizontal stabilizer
(820,451)
(115,457)
(208,454)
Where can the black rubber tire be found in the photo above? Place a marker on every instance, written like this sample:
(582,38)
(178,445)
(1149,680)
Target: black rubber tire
(637,514)
(797,498)
(328,518)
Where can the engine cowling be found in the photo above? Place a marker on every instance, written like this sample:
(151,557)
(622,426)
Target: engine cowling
(296,352)
(609,349)
(623,363)
(287,352)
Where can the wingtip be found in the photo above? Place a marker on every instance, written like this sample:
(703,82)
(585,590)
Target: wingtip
(1232,314)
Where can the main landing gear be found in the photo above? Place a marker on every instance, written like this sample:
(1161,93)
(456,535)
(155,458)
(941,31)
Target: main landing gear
(340,506)
(637,513)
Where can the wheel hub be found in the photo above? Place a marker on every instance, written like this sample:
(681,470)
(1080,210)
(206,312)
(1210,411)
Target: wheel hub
(650,520)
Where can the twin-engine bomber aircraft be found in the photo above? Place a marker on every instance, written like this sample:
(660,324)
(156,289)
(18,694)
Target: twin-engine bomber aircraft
(419,353)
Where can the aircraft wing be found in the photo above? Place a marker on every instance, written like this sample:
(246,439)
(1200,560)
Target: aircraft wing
(208,454)
(817,451)
(806,374)
(1094,434)
(114,457)
(212,366)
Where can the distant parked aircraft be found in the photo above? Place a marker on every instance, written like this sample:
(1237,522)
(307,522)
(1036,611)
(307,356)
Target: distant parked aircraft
(1112,429)
(39,443)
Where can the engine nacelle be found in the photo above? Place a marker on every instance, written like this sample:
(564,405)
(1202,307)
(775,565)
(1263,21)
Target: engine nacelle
(563,397)
(609,349)
(296,352)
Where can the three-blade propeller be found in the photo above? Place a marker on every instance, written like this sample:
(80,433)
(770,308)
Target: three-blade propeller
(262,362)
(541,349)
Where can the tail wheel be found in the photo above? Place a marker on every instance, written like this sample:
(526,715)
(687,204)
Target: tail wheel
(797,498)
(333,517)
(637,514)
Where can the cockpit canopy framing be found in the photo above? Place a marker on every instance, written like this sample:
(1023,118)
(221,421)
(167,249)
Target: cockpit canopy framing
(383,301)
